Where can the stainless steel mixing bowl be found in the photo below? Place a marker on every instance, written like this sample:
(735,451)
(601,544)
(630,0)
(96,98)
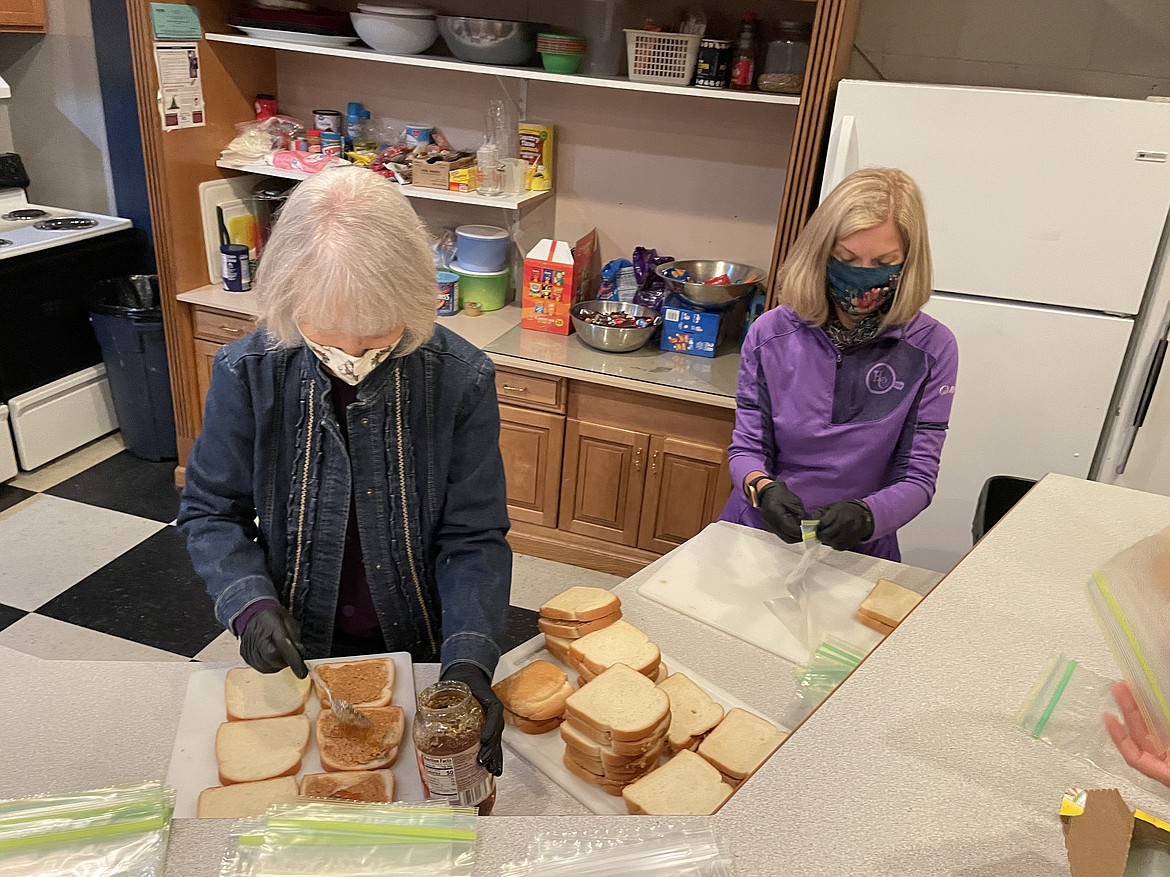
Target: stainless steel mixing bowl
(489,40)
(612,339)
(697,292)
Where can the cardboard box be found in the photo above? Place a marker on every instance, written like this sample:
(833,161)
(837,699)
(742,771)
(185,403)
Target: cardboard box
(464,179)
(435,173)
(556,277)
(1103,837)
(699,333)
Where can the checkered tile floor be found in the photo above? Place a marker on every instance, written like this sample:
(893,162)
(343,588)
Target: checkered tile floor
(91,567)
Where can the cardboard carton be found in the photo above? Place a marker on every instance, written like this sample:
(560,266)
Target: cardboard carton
(556,277)
(1103,838)
(435,172)
(697,332)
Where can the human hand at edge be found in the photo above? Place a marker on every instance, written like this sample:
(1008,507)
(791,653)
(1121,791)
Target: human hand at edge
(845,525)
(271,642)
(782,511)
(491,750)
(1132,737)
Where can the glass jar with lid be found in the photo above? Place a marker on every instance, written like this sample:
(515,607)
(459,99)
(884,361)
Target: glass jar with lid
(786,58)
(446,736)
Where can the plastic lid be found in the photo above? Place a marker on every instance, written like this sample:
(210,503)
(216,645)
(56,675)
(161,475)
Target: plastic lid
(797,29)
(354,106)
(313,132)
(365,114)
(483,233)
(459,269)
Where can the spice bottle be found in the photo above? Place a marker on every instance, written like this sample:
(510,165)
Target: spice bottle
(446,737)
(313,140)
(743,68)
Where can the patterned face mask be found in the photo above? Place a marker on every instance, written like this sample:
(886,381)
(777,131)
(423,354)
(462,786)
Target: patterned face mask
(860,291)
(351,369)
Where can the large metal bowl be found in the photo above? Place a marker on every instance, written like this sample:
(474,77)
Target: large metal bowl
(489,40)
(696,291)
(610,338)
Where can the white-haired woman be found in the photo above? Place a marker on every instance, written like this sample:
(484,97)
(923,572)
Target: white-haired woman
(346,494)
(845,391)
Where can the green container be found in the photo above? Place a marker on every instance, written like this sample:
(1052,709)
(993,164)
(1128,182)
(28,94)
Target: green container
(556,62)
(491,291)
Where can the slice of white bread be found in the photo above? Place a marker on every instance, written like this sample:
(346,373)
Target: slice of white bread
(587,739)
(655,675)
(888,603)
(581,604)
(537,692)
(250,694)
(620,643)
(575,629)
(361,683)
(610,787)
(366,786)
(528,726)
(558,647)
(692,711)
(741,743)
(261,749)
(344,747)
(620,703)
(684,786)
(621,772)
(245,799)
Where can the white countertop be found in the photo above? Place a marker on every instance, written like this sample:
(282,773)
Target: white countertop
(498,333)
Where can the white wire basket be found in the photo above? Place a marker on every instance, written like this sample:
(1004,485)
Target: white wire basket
(668,58)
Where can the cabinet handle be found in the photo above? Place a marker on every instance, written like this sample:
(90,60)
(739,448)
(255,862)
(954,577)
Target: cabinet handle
(508,388)
(230,330)
(654,462)
(637,459)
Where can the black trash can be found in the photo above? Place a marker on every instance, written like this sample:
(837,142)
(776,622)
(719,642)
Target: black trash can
(128,324)
(999,494)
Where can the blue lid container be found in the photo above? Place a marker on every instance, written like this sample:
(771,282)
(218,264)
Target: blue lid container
(483,249)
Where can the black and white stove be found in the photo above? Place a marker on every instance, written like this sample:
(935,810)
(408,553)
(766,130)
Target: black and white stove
(54,395)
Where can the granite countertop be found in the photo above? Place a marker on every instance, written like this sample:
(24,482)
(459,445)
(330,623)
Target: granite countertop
(498,333)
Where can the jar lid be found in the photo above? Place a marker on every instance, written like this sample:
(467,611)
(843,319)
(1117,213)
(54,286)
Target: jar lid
(313,132)
(708,43)
(482,232)
(791,29)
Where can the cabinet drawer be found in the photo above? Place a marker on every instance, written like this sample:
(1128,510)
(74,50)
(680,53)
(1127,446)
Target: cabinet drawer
(531,391)
(213,326)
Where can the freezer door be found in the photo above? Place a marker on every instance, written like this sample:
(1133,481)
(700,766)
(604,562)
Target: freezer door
(1033,392)
(1034,197)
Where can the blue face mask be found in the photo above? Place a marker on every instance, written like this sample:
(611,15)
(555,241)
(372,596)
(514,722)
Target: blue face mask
(860,291)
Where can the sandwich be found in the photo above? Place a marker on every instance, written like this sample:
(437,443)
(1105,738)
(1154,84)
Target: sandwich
(619,643)
(740,744)
(261,749)
(368,683)
(692,712)
(245,799)
(575,613)
(534,697)
(887,606)
(365,786)
(347,748)
(684,786)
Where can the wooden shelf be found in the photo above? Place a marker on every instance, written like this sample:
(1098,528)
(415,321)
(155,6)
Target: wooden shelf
(530,73)
(500,202)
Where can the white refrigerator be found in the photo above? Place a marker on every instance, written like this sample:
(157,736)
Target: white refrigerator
(1048,226)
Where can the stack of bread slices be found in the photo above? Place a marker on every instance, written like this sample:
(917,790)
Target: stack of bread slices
(615,728)
(575,613)
(534,697)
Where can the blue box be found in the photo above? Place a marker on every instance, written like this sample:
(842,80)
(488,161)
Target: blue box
(692,332)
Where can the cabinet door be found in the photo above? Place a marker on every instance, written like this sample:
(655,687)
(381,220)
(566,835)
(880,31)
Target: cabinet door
(686,487)
(532,443)
(205,352)
(601,491)
(22,14)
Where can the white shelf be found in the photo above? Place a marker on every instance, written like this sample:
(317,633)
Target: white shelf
(501,202)
(532,73)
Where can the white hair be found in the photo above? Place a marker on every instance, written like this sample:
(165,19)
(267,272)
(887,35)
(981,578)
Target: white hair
(348,255)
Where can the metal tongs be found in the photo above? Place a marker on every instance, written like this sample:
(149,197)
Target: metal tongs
(342,710)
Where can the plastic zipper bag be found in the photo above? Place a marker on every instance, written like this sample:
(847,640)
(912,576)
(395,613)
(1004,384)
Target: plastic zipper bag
(643,850)
(1130,596)
(829,666)
(114,832)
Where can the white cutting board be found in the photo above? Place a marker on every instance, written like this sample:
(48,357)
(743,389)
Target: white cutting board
(193,766)
(723,576)
(233,195)
(546,751)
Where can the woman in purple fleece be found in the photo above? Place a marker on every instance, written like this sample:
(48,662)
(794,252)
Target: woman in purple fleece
(845,390)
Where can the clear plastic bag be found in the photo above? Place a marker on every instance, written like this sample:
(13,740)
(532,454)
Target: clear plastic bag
(650,850)
(1065,707)
(829,666)
(1131,598)
(796,608)
(114,832)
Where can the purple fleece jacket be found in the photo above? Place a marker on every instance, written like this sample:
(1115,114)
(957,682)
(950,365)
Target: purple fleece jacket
(866,423)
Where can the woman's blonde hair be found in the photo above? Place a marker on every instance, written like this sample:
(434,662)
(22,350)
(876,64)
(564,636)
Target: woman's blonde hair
(348,256)
(864,199)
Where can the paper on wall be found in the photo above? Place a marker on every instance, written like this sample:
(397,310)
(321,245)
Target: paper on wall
(180,85)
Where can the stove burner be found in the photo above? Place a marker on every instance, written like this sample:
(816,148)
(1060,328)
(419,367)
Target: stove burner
(4,242)
(29,213)
(65,223)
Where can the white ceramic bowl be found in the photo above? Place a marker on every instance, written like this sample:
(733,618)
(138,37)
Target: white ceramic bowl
(395,34)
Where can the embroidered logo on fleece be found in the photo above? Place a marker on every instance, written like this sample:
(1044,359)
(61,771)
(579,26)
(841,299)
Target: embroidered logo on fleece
(881,378)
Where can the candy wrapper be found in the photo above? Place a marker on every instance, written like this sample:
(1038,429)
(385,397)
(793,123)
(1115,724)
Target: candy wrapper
(258,138)
(443,249)
(651,288)
(617,281)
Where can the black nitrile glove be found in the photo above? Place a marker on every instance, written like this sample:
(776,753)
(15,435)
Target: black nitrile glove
(845,525)
(271,642)
(782,511)
(491,750)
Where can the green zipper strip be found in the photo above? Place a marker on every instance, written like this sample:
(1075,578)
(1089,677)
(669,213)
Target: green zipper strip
(375,830)
(1055,699)
(19,843)
(72,810)
(1131,638)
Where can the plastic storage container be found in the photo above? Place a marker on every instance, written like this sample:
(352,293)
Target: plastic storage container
(128,325)
(488,289)
(482,248)
(786,60)
(667,58)
(603,37)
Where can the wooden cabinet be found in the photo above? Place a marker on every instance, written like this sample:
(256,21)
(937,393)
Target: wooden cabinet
(686,486)
(23,15)
(205,352)
(532,444)
(601,491)
(531,391)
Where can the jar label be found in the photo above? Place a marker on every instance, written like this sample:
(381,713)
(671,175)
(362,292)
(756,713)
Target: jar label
(458,778)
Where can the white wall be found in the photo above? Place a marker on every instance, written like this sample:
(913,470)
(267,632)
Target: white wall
(1117,48)
(57,122)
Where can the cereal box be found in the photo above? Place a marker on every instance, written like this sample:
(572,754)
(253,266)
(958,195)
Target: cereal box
(556,277)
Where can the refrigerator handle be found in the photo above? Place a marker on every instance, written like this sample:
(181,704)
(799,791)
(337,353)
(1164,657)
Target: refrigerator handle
(1151,384)
(841,158)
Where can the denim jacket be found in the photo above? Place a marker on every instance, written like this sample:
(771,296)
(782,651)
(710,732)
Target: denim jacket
(268,483)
